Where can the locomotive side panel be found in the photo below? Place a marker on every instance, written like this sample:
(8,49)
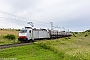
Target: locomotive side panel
(41,34)
(35,34)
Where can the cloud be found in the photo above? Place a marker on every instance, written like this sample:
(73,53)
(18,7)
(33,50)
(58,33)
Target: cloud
(64,13)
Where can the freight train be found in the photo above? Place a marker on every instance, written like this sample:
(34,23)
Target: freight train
(29,34)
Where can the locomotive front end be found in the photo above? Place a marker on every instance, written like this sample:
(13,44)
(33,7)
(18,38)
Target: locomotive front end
(22,35)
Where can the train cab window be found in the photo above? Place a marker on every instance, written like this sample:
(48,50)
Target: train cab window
(30,31)
(23,31)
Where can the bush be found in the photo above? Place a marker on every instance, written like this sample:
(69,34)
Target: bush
(76,32)
(87,30)
(17,29)
(10,36)
(86,35)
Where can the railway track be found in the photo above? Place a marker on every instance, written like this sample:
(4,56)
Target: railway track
(14,45)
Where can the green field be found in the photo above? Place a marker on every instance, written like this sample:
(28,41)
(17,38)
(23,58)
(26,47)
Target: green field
(29,52)
(76,47)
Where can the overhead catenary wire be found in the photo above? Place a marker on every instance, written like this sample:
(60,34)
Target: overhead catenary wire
(42,23)
(11,19)
(21,21)
(21,17)
(25,19)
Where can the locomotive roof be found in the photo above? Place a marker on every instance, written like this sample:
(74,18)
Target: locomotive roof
(33,29)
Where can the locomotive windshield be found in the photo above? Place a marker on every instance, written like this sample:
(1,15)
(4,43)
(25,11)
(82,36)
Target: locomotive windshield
(23,31)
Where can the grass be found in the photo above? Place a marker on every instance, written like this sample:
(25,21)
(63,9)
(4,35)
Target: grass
(68,49)
(4,41)
(29,52)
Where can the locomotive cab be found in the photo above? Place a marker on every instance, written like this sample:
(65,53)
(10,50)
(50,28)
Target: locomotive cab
(24,35)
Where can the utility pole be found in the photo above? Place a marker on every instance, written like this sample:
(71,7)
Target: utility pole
(51,25)
(68,30)
(63,28)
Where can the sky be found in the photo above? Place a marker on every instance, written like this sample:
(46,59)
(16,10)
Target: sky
(65,14)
